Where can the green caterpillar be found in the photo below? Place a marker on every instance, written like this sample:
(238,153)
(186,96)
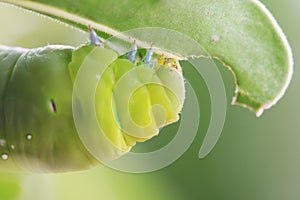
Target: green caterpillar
(37,129)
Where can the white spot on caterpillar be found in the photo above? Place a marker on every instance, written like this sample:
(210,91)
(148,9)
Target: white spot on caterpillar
(4,156)
(29,136)
(12,147)
(98,77)
(2,142)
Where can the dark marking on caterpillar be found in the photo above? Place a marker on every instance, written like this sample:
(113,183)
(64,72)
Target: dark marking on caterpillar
(53,106)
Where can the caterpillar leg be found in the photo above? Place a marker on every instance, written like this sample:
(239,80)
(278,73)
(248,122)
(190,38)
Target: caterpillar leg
(94,39)
(132,52)
(148,57)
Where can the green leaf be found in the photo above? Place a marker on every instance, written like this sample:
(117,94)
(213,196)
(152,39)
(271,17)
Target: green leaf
(243,35)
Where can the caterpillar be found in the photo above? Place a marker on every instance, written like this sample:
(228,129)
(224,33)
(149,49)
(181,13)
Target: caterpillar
(37,128)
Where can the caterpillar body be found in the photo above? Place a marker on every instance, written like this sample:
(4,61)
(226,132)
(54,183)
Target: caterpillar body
(37,129)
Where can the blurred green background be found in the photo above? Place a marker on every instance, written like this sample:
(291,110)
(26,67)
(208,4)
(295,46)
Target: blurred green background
(255,158)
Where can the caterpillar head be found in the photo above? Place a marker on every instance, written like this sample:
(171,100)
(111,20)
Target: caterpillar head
(133,99)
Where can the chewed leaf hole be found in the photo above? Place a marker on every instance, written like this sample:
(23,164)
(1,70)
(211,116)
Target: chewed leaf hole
(52,105)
